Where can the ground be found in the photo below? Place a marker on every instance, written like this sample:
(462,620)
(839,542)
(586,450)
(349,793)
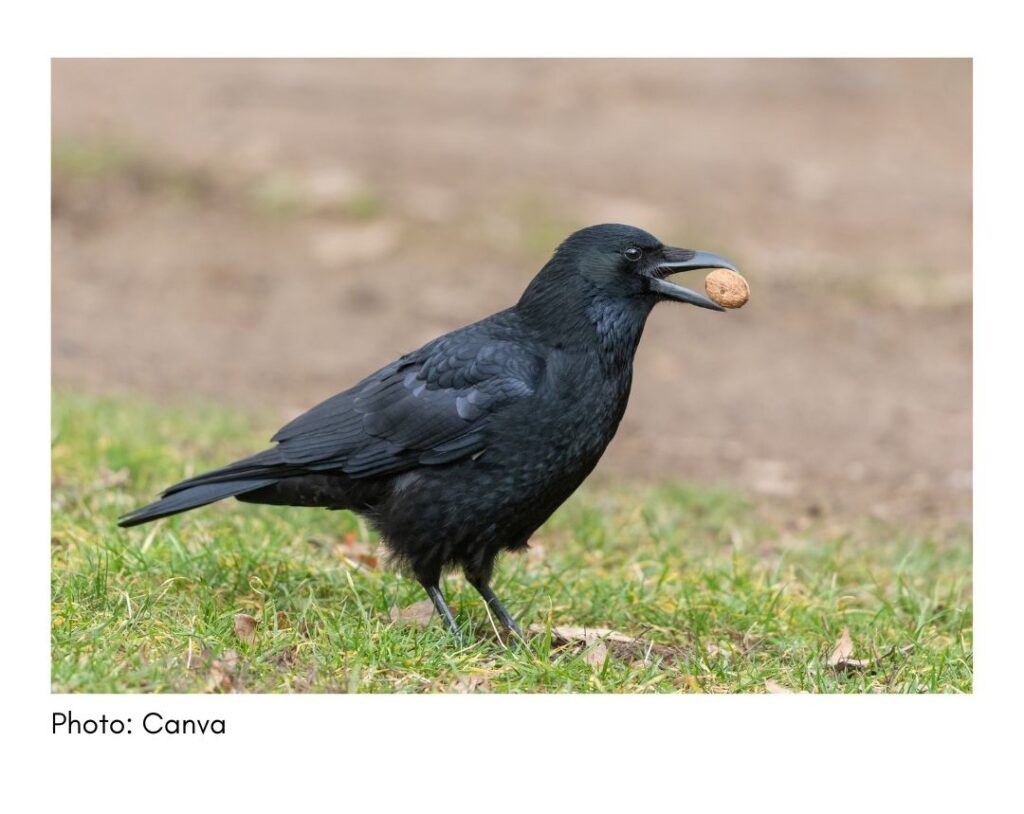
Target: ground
(266,233)
(702,594)
(262,234)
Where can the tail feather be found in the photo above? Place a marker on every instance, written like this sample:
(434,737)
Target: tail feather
(262,464)
(181,498)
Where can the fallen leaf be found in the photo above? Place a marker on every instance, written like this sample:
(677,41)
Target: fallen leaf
(596,655)
(843,649)
(282,620)
(568,635)
(417,614)
(197,661)
(841,660)
(619,645)
(777,689)
(356,552)
(222,672)
(245,628)
(470,684)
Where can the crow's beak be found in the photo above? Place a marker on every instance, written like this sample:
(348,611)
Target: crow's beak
(677,260)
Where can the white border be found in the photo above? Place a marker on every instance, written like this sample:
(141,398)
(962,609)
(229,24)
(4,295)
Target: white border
(794,753)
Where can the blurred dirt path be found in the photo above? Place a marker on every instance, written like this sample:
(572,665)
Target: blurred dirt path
(264,233)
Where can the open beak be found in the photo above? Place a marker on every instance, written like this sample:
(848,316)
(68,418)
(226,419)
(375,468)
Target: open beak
(677,260)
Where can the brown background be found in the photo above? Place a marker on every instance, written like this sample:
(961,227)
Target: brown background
(266,232)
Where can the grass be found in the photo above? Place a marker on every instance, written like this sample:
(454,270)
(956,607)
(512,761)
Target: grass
(717,598)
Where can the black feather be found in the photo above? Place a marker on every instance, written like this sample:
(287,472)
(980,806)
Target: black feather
(190,498)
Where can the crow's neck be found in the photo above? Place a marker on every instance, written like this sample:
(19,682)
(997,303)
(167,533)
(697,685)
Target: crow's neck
(569,312)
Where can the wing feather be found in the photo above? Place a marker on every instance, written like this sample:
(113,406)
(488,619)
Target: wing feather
(430,407)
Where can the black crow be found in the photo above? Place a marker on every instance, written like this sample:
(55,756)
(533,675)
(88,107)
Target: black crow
(463,448)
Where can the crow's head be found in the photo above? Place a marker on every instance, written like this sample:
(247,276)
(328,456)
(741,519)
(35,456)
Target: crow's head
(623,261)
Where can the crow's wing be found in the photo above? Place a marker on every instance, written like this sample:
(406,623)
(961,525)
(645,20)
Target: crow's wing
(432,406)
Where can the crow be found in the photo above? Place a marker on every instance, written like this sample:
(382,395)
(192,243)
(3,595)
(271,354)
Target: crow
(460,450)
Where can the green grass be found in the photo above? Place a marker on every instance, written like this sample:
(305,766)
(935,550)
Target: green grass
(718,599)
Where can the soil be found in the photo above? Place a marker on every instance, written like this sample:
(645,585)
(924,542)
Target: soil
(264,233)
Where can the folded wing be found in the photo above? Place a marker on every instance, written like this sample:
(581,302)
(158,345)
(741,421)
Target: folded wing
(430,407)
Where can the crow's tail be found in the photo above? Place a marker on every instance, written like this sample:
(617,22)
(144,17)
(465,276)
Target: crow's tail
(250,474)
(191,498)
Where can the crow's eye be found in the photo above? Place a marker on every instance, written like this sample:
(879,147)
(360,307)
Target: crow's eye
(632,254)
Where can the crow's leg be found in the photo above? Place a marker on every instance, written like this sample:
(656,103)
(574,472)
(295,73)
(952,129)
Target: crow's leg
(443,610)
(500,610)
(479,576)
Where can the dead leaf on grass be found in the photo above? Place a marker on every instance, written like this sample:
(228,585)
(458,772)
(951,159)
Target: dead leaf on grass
(355,551)
(618,645)
(282,620)
(470,684)
(596,655)
(223,673)
(369,560)
(417,614)
(197,661)
(774,688)
(570,635)
(841,660)
(843,649)
(245,627)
